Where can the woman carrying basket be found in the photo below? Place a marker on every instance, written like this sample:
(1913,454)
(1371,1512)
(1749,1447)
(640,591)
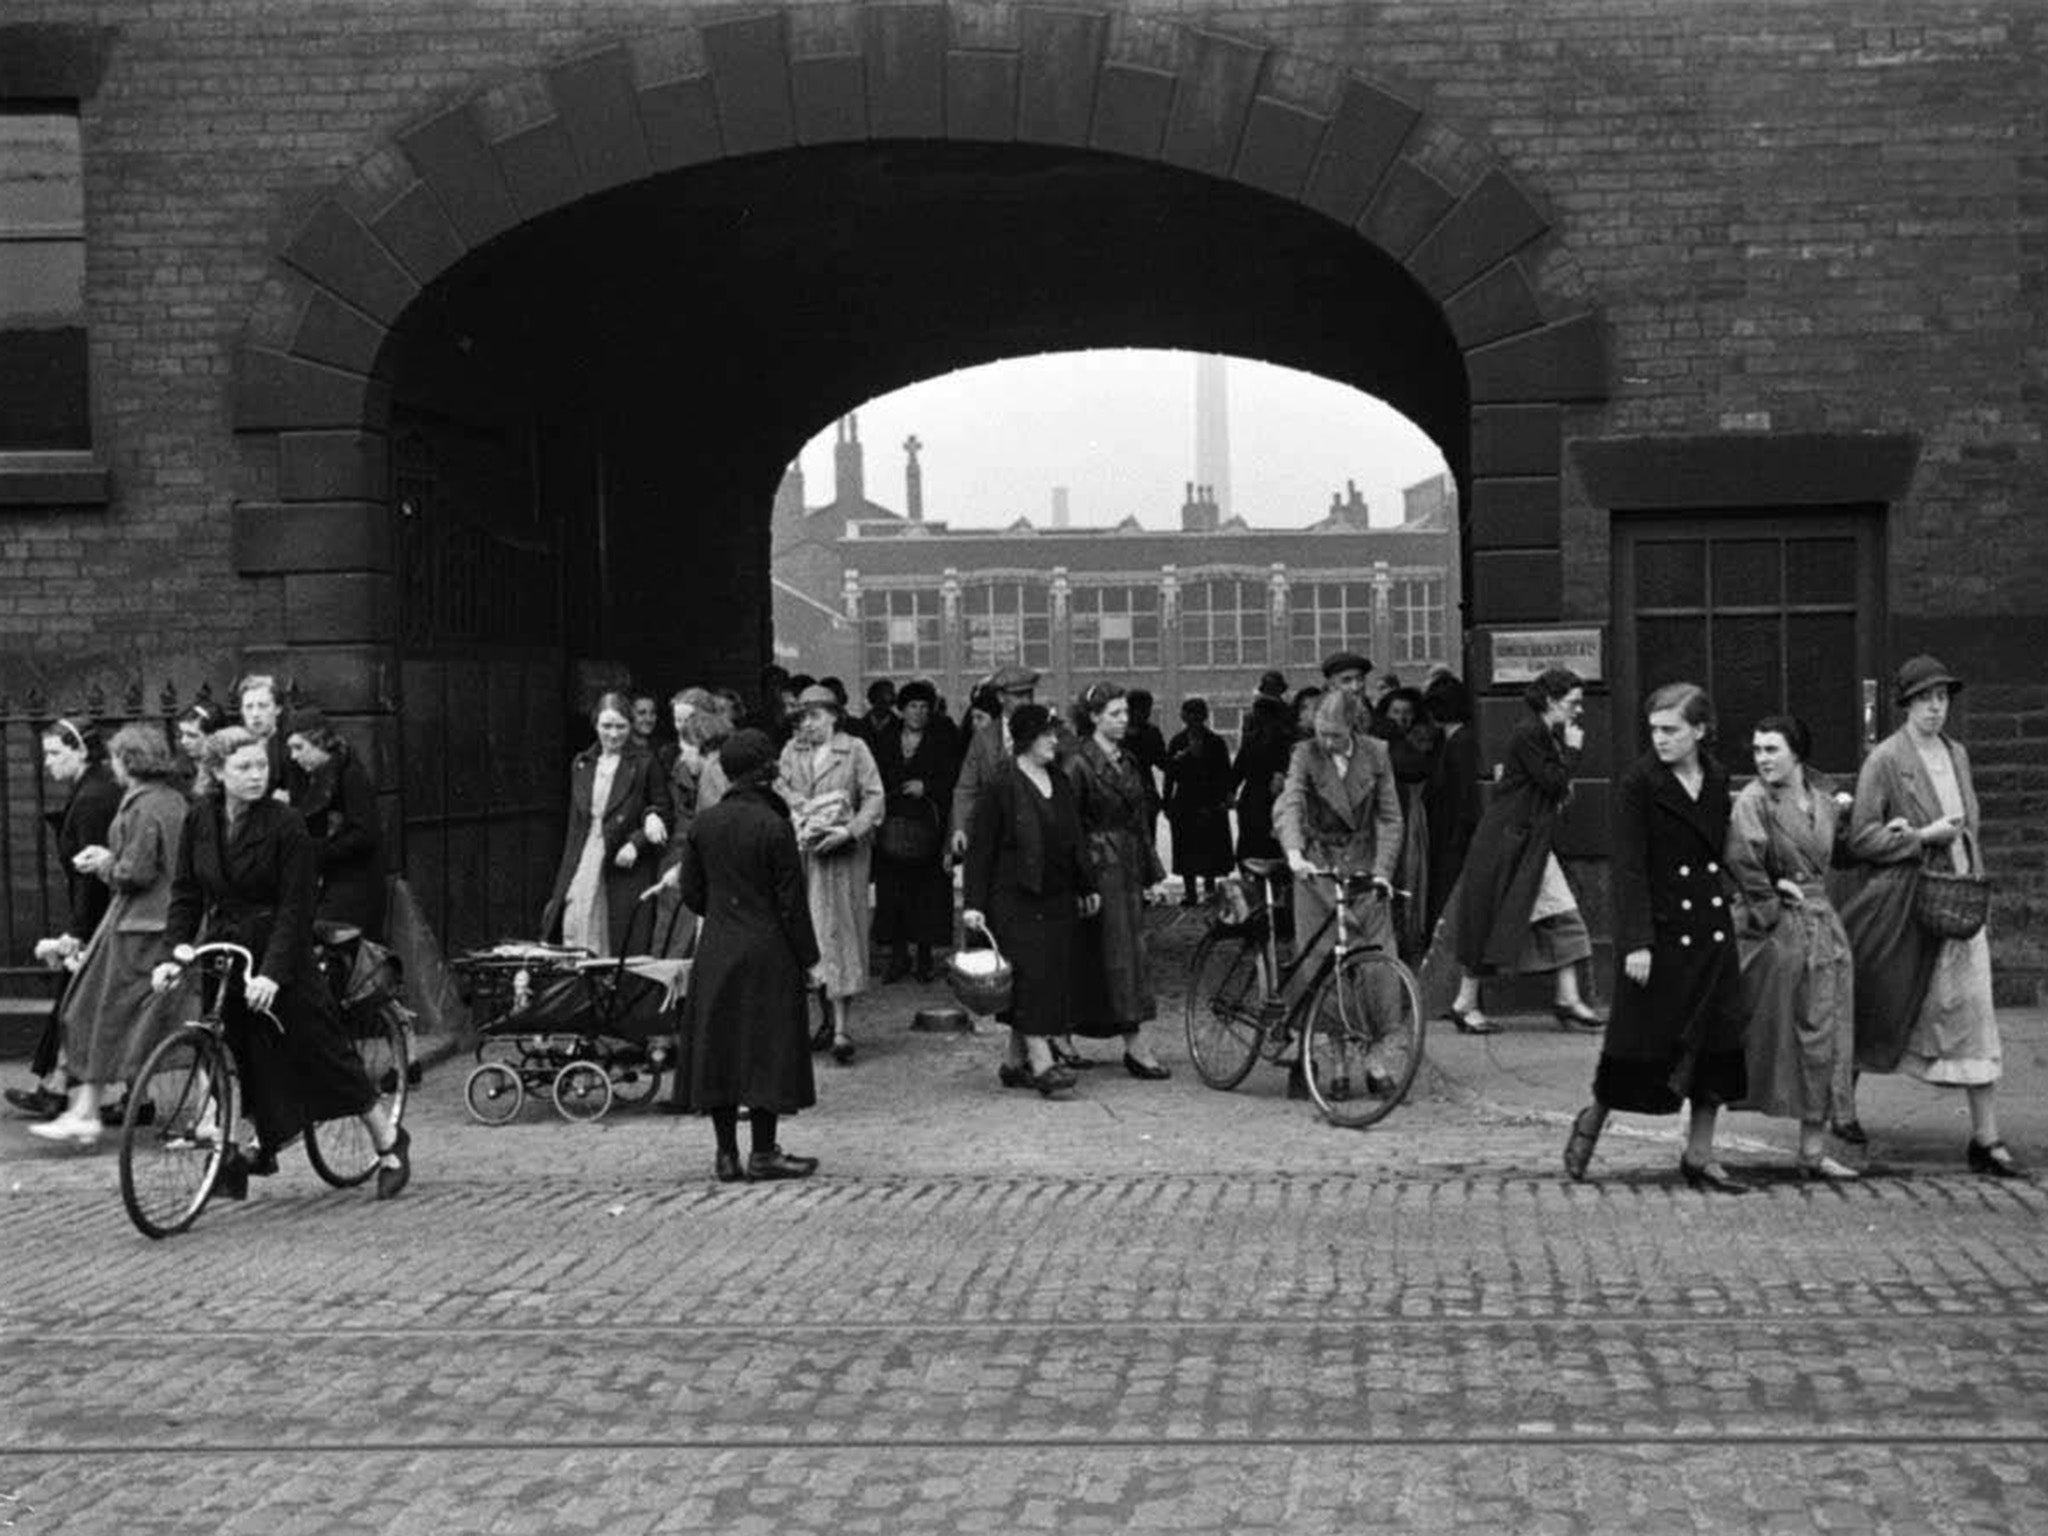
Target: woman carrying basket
(1027,882)
(1923,1001)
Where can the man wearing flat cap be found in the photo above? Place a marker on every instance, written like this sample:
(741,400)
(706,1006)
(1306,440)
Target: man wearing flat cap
(1347,670)
(989,752)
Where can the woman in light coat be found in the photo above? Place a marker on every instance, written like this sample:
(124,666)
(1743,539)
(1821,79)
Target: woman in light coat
(1798,980)
(834,791)
(1923,1004)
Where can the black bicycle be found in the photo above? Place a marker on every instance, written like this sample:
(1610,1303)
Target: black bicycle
(182,1114)
(1357,1019)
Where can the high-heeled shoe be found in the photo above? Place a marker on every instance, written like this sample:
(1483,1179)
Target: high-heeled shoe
(392,1178)
(1825,1170)
(1055,1079)
(1472,1021)
(1013,1074)
(1578,1147)
(842,1051)
(1577,1016)
(1072,1060)
(1147,1071)
(1993,1160)
(1710,1175)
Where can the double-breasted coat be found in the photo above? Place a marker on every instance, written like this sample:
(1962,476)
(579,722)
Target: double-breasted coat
(1112,973)
(638,786)
(107,998)
(256,884)
(914,899)
(1197,802)
(1026,869)
(1511,847)
(746,1036)
(1917,996)
(838,880)
(1346,818)
(1678,1037)
(340,807)
(1798,981)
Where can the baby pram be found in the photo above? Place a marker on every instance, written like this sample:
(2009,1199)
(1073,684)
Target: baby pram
(588,1030)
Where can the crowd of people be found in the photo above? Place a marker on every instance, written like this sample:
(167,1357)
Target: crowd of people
(1770,944)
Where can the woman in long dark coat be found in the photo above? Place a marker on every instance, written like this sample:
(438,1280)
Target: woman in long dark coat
(339,804)
(1675,1034)
(248,874)
(1257,774)
(1516,912)
(914,897)
(1027,882)
(1414,745)
(1453,799)
(618,820)
(745,1026)
(1197,801)
(74,757)
(1112,973)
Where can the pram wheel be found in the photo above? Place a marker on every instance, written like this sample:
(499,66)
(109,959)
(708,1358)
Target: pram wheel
(494,1093)
(583,1091)
(634,1080)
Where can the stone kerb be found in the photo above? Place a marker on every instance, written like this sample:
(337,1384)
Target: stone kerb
(1176,93)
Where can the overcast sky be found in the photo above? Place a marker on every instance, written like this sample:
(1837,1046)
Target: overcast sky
(1117,429)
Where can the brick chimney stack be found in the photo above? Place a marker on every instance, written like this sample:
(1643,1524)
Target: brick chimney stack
(850,474)
(913,480)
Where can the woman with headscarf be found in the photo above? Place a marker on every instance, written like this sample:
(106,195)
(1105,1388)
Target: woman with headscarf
(745,1021)
(1026,883)
(105,1001)
(1923,1001)
(913,892)
(834,793)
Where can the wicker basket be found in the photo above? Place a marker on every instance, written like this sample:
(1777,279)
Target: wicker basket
(1951,905)
(980,978)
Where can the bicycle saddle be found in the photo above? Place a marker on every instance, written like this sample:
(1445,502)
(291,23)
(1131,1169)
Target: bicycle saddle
(335,935)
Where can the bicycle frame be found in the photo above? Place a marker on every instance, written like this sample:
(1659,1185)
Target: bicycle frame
(1285,975)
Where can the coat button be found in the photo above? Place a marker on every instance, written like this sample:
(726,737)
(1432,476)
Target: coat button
(1684,870)
(1717,901)
(1685,906)
(1719,936)
(1685,939)
(1713,868)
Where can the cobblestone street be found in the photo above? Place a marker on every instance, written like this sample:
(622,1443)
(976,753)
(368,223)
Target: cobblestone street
(1150,1307)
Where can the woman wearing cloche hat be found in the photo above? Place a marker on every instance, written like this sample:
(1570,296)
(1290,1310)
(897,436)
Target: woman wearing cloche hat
(1923,1001)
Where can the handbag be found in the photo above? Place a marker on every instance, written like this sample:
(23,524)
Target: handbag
(1949,904)
(909,836)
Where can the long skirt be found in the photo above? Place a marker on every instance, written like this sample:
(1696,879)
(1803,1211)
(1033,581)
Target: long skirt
(1954,1042)
(1036,935)
(1112,975)
(1798,982)
(1411,873)
(837,886)
(586,920)
(307,1071)
(107,1001)
(913,903)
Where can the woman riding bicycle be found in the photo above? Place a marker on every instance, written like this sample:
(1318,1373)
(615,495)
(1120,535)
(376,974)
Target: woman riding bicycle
(248,873)
(1340,809)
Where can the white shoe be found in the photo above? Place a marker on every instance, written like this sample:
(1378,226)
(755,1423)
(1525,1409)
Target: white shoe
(79,1130)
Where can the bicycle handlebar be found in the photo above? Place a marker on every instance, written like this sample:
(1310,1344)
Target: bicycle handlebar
(187,954)
(1386,889)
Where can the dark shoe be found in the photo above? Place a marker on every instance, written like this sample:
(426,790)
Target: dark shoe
(233,1180)
(926,971)
(1297,1082)
(1155,1072)
(1710,1176)
(1993,1161)
(1579,1018)
(821,1037)
(778,1164)
(842,1051)
(113,1116)
(1072,1060)
(388,1083)
(1053,1080)
(43,1103)
(1472,1022)
(1011,1075)
(262,1162)
(391,1181)
(1578,1148)
(1851,1132)
(728,1169)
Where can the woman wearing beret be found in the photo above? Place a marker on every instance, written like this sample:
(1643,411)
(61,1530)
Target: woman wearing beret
(1028,882)
(1515,911)
(835,794)
(618,810)
(1675,1035)
(1923,1003)
(745,1022)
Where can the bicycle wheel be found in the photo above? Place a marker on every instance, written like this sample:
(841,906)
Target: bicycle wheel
(171,1158)
(1225,1007)
(1364,1042)
(582,1091)
(494,1093)
(342,1151)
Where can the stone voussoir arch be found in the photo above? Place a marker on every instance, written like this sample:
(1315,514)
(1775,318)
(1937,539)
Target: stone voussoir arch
(1355,151)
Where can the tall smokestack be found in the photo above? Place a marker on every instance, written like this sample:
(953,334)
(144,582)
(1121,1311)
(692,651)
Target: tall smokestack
(1060,509)
(1212,430)
(913,480)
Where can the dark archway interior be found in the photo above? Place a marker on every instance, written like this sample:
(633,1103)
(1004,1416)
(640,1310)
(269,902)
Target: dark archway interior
(597,407)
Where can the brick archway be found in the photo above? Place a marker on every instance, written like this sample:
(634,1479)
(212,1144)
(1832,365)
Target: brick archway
(311,400)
